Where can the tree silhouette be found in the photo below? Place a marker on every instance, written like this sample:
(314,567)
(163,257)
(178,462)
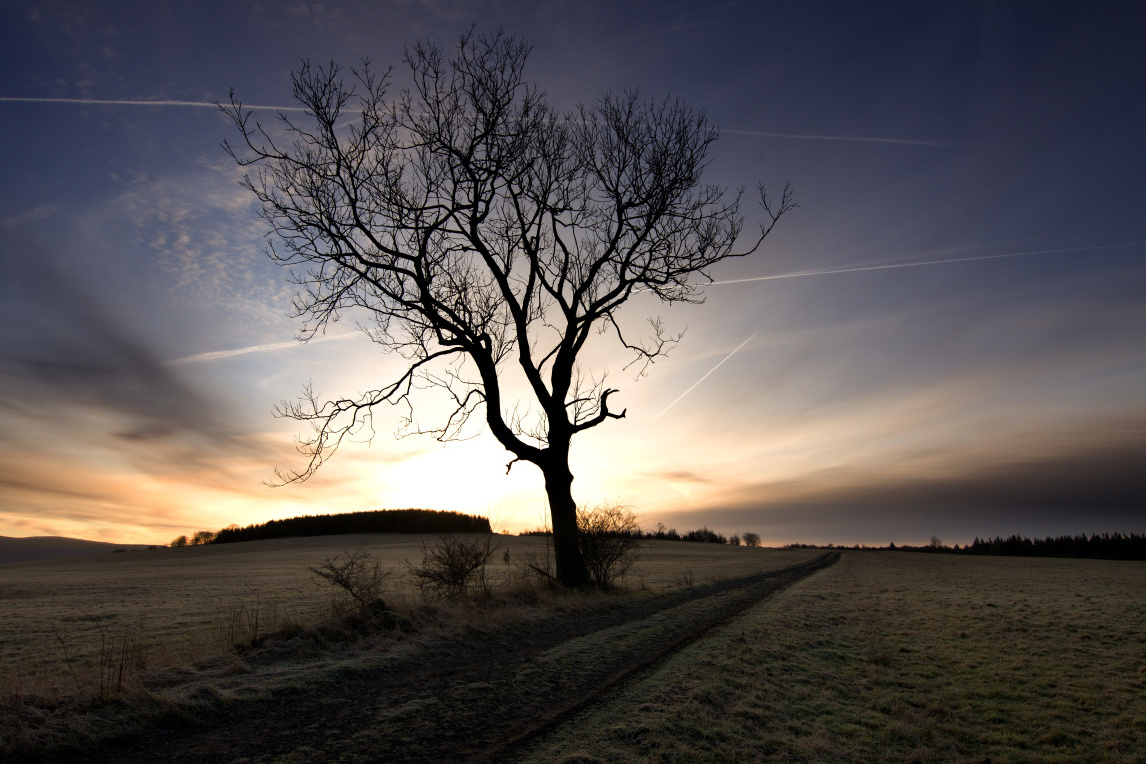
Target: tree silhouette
(485,234)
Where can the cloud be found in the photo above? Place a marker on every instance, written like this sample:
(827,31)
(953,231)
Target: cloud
(68,365)
(194,237)
(855,139)
(687,476)
(220,355)
(142,102)
(1093,480)
(36,213)
(1111,475)
(892,266)
(56,492)
(83,41)
(712,15)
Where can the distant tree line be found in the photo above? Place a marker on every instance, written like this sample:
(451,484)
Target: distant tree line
(1106,546)
(703,535)
(372,521)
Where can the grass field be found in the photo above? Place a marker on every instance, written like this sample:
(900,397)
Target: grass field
(59,620)
(886,656)
(898,657)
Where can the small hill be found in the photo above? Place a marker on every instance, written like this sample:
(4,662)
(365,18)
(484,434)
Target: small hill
(372,521)
(28,549)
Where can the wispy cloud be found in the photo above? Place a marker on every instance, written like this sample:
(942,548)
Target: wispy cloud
(855,139)
(1092,463)
(36,213)
(199,229)
(688,476)
(1083,477)
(73,355)
(710,16)
(262,107)
(218,355)
(132,102)
(890,266)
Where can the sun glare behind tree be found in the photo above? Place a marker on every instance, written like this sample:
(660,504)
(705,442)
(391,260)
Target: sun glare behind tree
(480,228)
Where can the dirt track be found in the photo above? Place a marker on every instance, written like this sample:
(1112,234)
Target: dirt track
(475,699)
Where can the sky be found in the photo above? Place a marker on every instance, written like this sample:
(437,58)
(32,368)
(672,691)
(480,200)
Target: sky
(947,338)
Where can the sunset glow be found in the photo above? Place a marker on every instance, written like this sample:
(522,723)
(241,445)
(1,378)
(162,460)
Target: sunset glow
(949,336)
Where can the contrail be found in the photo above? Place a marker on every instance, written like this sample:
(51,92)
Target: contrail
(706,376)
(110,102)
(872,268)
(216,355)
(253,107)
(857,269)
(854,139)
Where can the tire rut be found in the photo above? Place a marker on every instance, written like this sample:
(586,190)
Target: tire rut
(509,750)
(477,698)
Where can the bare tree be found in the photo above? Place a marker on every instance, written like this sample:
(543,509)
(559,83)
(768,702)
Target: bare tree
(480,230)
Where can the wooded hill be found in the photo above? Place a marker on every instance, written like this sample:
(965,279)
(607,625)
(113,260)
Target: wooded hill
(374,521)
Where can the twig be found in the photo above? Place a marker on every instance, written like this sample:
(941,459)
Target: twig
(67,658)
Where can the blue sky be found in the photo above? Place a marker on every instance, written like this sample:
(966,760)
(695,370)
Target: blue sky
(993,385)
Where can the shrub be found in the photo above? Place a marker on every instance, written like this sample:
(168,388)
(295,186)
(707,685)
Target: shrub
(358,575)
(202,537)
(181,541)
(751,539)
(609,536)
(456,566)
(734,540)
(705,535)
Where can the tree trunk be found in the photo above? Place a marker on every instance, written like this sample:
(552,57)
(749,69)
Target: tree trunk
(571,570)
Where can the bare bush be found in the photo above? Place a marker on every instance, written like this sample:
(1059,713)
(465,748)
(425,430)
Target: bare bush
(456,566)
(358,575)
(751,539)
(248,625)
(536,569)
(609,537)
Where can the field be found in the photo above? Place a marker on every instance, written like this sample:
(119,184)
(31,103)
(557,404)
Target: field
(899,657)
(711,654)
(178,605)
